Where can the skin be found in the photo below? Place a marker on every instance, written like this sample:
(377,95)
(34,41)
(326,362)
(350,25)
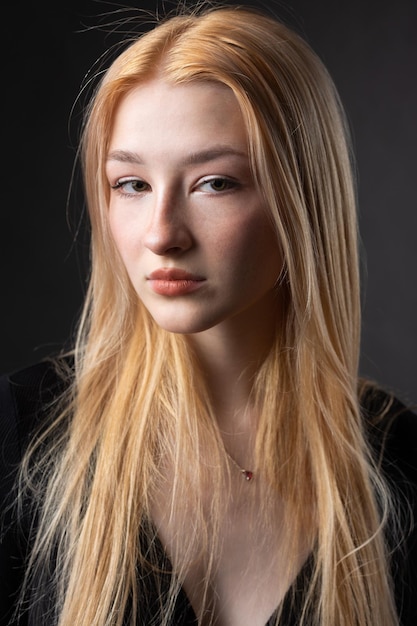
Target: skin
(183,197)
(186,198)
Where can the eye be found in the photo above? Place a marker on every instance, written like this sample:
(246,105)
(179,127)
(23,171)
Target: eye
(130,186)
(216,184)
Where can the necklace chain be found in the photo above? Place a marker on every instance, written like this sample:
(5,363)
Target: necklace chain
(247,474)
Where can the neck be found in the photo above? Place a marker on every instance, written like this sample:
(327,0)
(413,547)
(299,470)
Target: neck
(230,356)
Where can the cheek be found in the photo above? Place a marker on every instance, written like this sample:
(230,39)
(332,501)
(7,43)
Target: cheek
(123,235)
(252,247)
(116,232)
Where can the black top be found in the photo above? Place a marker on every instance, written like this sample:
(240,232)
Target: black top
(23,398)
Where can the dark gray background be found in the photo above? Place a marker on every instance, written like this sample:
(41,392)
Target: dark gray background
(370,48)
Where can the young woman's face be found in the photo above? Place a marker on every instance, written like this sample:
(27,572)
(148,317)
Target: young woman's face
(185,214)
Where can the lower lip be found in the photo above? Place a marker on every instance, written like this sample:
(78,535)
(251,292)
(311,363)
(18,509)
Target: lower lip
(174,287)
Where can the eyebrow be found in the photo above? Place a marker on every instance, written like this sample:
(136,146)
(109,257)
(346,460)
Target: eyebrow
(194,158)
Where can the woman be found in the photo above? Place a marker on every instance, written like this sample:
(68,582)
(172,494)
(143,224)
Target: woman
(207,454)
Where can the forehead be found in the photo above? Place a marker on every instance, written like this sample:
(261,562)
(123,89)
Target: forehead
(159,113)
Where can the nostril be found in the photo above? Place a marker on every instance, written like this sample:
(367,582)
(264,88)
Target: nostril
(168,238)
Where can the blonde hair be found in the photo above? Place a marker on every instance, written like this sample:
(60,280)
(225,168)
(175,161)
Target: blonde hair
(137,389)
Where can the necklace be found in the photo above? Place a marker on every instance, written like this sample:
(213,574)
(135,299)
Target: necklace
(247,474)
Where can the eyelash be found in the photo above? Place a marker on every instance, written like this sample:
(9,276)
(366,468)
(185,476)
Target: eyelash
(228,182)
(121,185)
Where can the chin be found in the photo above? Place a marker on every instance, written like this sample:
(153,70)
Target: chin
(185,326)
(182,329)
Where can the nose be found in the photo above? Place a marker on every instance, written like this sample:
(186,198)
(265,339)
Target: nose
(167,231)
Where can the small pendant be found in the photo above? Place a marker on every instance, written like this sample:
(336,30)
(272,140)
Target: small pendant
(247,474)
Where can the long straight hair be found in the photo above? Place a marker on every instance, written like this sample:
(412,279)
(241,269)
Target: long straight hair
(136,395)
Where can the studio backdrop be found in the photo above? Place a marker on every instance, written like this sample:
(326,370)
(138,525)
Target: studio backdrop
(370,48)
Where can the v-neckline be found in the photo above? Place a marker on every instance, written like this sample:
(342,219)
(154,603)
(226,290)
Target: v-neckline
(184,614)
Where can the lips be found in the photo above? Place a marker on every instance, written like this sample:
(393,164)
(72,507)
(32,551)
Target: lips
(174,282)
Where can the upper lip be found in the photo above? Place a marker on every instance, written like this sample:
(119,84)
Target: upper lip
(172,273)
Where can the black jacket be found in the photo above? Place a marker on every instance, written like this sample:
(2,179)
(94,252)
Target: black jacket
(23,397)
